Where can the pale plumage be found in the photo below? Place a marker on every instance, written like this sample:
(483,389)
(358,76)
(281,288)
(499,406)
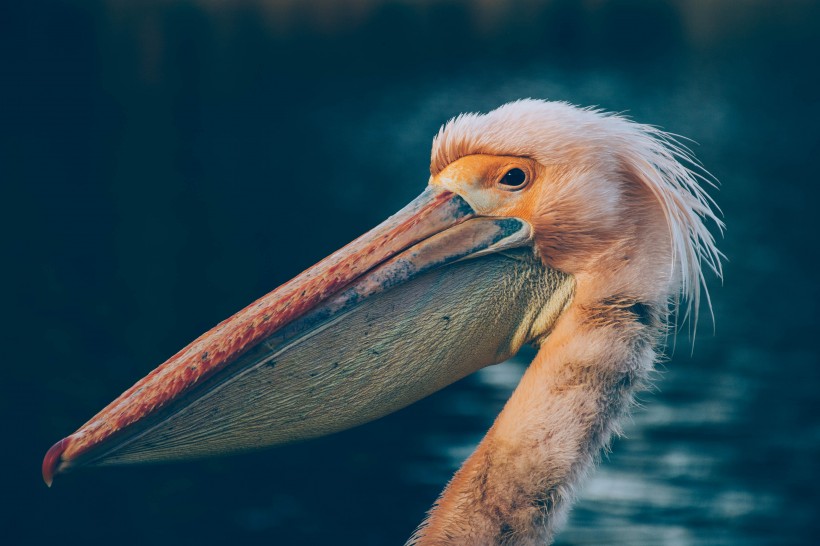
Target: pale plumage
(588,141)
(571,229)
(620,212)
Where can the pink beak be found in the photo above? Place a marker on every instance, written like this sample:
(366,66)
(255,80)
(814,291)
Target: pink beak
(423,235)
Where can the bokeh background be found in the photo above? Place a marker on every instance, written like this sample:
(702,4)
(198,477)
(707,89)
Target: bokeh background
(165,163)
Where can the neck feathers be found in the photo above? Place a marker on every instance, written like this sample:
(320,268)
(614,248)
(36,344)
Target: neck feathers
(627,219)
(517,486)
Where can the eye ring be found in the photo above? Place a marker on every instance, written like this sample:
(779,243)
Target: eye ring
(514,179)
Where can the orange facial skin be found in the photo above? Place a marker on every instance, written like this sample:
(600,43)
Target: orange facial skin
(479,180)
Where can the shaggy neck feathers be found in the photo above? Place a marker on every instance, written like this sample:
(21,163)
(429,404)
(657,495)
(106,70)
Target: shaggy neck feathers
(627,219)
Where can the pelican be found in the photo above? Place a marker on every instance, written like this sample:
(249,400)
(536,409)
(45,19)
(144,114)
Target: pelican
(576,231)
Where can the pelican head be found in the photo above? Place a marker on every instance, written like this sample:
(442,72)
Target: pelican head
(569,229)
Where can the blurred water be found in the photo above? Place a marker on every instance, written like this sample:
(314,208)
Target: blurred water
(171,162)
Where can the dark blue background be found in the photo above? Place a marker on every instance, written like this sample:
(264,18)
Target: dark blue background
(165,163)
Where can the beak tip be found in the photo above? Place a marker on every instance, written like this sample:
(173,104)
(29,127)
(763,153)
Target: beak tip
(52,461)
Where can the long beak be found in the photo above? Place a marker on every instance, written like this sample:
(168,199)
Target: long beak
(339,345)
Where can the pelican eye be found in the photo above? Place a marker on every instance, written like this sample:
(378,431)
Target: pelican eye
(514,179)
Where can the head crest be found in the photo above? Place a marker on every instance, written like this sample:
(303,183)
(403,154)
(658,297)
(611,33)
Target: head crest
(550,131)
